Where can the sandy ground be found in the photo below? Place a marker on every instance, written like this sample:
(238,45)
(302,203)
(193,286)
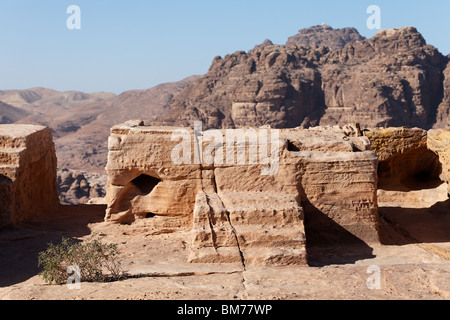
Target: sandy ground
(413,263)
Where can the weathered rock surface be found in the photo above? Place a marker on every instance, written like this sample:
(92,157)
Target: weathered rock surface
(403,157)
(258,226)
(392,79)
(27,173)
(250,209)
(390,142)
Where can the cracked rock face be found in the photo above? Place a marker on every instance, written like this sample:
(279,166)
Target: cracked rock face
(318,183)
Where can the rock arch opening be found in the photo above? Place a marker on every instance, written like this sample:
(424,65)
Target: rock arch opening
(133,198)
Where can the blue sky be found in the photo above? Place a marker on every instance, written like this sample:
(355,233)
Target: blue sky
(137,44)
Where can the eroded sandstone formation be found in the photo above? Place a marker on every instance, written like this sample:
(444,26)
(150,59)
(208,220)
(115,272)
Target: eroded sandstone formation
(294,186)
(27,173)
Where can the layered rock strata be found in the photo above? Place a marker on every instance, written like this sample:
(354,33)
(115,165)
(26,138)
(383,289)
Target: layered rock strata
(28,185)
(251,195)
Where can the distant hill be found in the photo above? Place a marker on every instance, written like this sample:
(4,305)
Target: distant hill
(81,121)
(10,114)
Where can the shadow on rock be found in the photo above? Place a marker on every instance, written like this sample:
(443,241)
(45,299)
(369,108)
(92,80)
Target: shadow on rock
(328,243)
(401,226)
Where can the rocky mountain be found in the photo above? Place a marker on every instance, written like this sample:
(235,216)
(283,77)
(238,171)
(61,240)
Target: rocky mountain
(392,79)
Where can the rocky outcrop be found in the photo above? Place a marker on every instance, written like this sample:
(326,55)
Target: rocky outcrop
(78,187)
(265,43)
(324,36)
(275,86)
(27,173)
(392,79)
(255,200)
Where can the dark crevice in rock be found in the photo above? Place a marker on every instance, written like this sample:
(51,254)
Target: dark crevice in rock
(145,183)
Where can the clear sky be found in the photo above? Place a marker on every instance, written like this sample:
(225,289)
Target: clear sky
(138,44)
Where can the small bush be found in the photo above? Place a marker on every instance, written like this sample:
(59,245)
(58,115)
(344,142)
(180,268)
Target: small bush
(92,257)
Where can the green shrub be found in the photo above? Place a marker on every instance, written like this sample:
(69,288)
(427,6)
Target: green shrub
(92,257)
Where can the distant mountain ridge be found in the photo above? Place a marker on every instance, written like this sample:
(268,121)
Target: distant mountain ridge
(81,121)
